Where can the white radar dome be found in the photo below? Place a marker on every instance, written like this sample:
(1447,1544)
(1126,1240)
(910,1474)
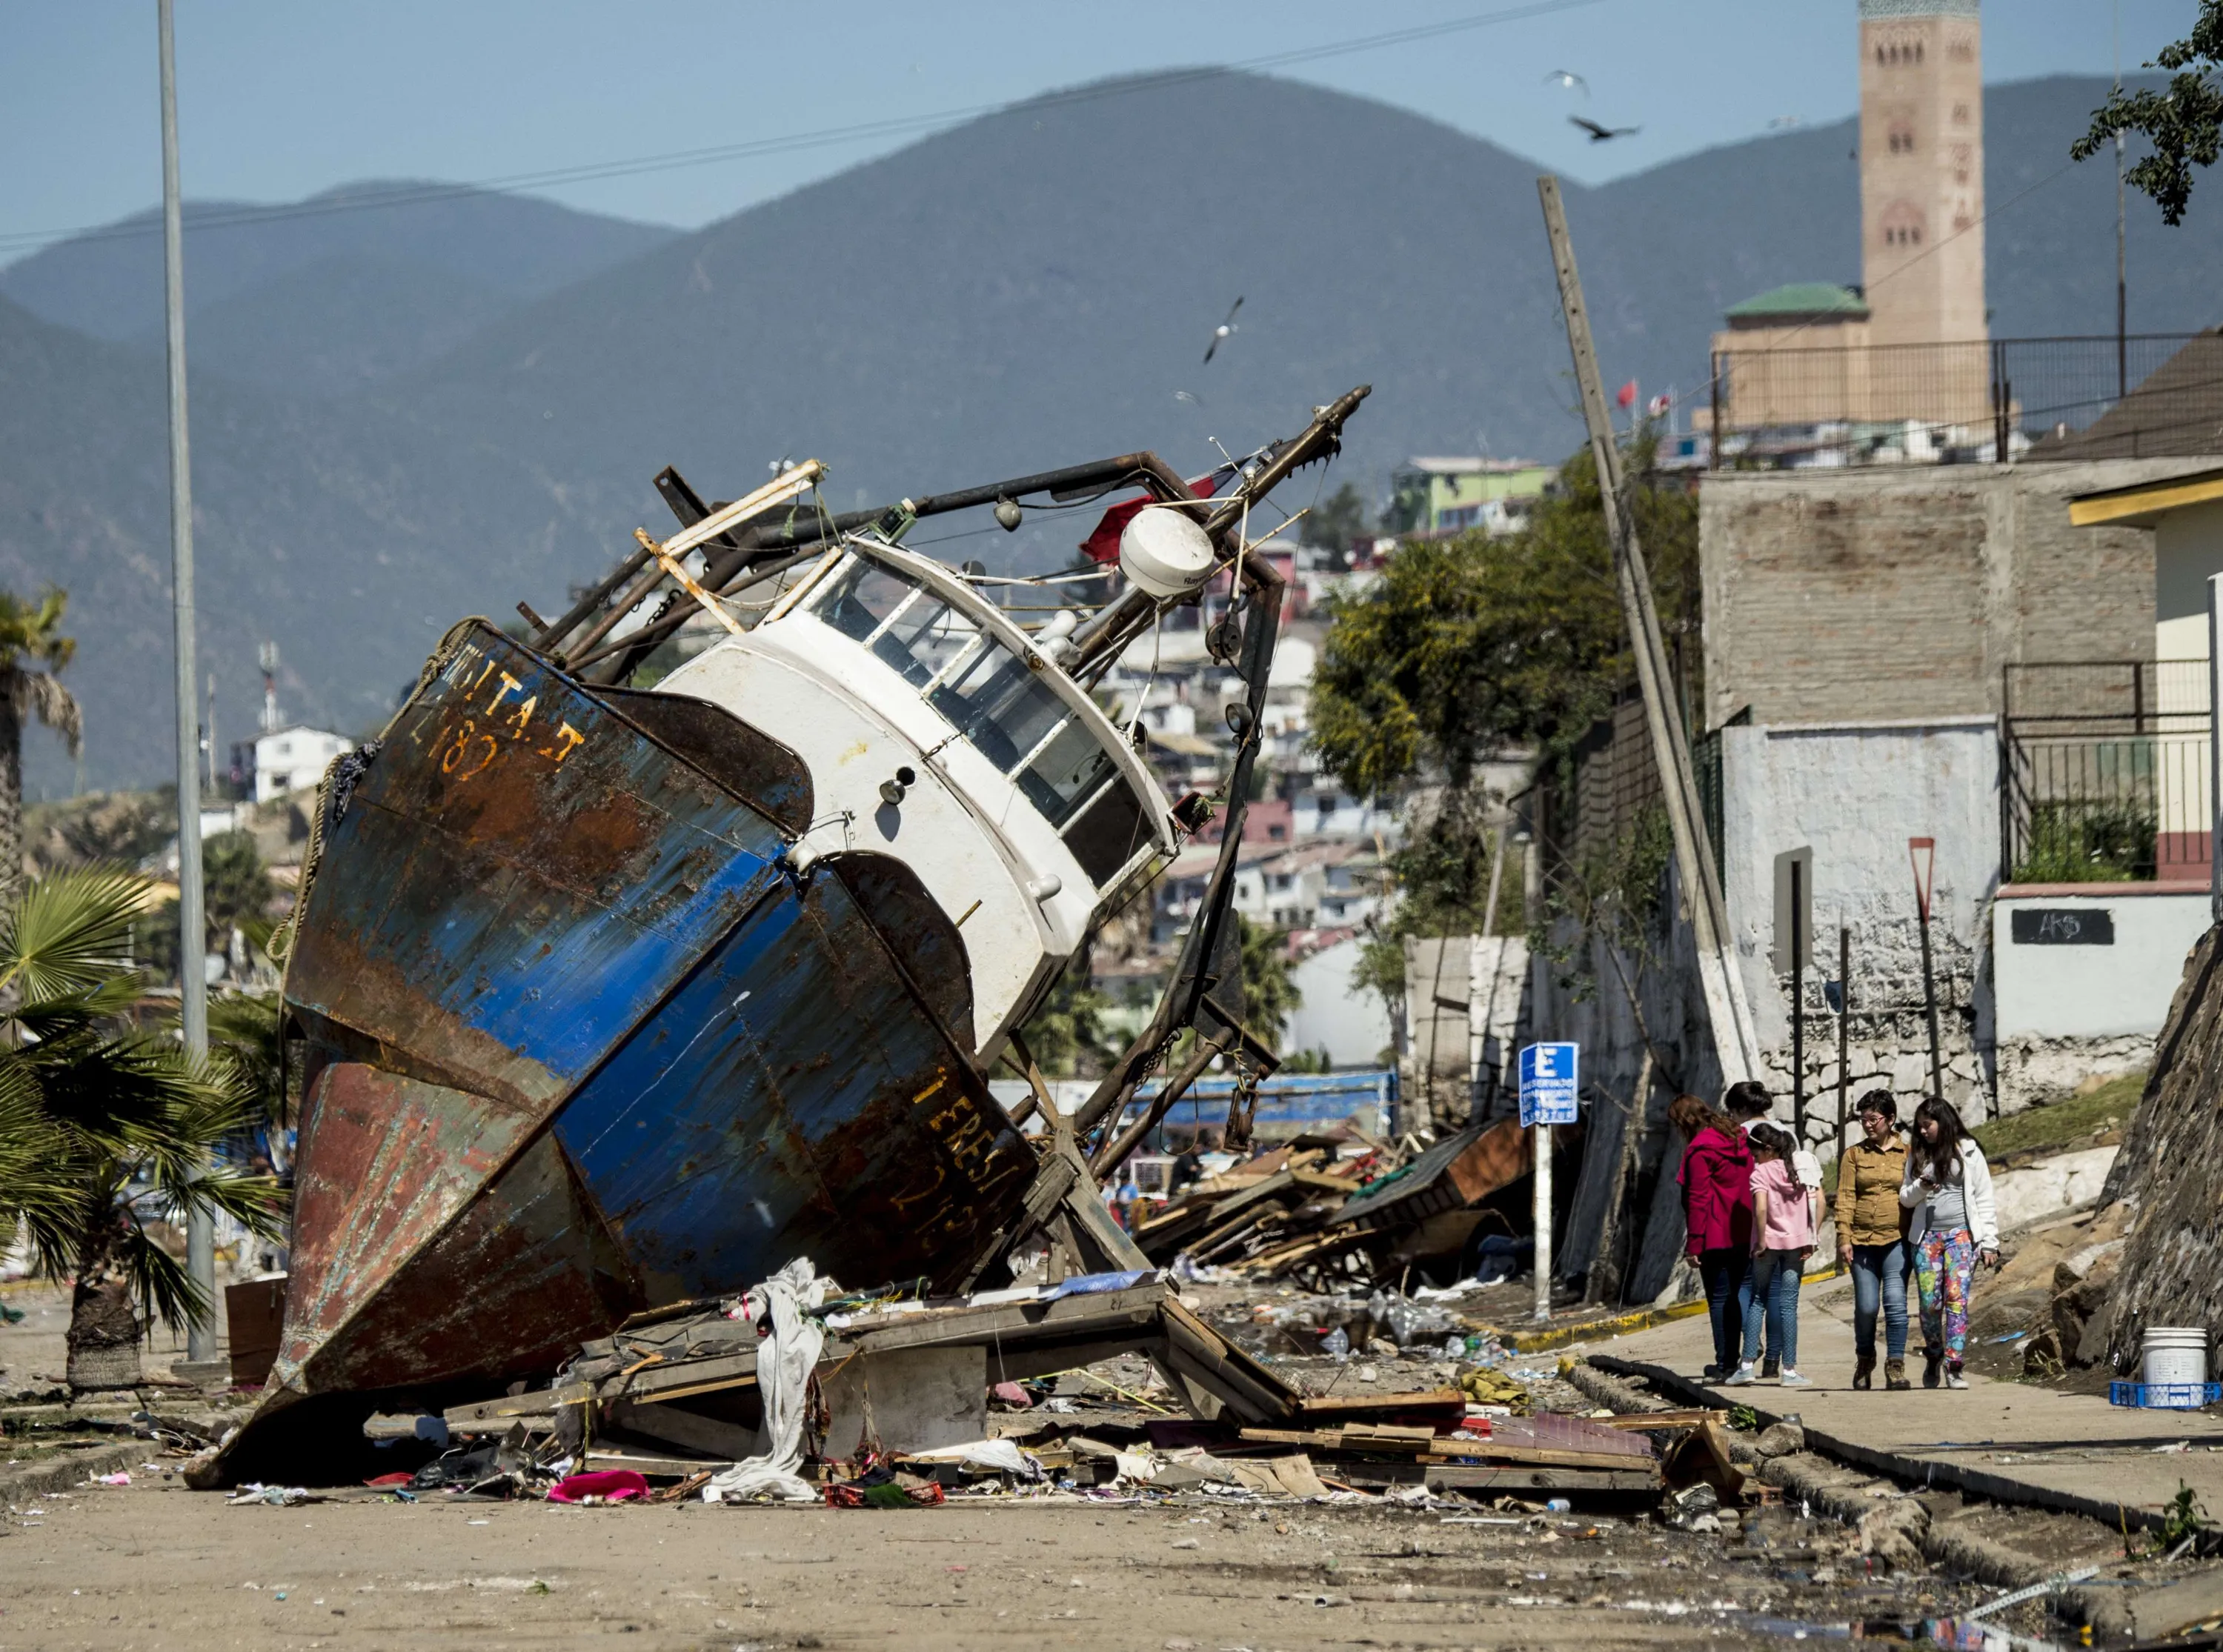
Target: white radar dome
(1166,552)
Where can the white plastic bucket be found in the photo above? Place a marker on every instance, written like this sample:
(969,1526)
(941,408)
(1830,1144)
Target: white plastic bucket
(2174,1354)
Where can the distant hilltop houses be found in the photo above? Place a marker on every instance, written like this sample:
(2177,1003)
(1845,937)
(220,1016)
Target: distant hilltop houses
(1434,496)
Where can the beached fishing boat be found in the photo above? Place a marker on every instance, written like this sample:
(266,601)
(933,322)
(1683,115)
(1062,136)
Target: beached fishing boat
(613,997)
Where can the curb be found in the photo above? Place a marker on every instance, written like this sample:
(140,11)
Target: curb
(1924,1472)
(1559,1336)
(1637,1319)
(1991,1562)
(71,1470)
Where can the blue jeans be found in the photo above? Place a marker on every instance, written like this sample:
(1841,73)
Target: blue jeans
(1880,1274)
(1727,1275)
(1775,1280)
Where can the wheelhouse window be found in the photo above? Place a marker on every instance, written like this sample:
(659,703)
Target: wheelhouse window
(1001,701)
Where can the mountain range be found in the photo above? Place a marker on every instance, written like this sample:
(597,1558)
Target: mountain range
(444,401)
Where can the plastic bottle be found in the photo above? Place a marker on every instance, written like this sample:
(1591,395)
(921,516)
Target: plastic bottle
(1336,1344)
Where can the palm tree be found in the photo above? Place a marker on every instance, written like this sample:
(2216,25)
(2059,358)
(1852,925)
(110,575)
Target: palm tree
(32,650)
(113,1125)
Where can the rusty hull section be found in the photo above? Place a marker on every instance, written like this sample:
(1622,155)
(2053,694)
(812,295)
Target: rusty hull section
(584,1043)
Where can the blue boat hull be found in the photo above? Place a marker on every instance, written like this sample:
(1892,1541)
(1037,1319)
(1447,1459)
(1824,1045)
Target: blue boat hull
(583,1042)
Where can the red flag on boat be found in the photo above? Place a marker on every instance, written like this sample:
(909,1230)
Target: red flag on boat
(1102,545)
(1628,396)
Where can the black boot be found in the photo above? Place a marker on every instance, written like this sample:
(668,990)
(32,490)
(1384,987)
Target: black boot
(1933,1363)
(1864,1371)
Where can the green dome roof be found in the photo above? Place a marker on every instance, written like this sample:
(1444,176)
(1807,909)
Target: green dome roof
(1802,298)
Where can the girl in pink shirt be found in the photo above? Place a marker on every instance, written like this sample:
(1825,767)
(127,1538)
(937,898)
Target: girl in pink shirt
(1784,1215)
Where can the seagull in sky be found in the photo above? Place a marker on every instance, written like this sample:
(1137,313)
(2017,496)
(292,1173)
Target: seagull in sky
(1603,134)
(1567,80)
(1226,330)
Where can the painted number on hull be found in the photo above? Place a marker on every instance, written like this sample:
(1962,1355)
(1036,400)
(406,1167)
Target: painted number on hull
(469,745)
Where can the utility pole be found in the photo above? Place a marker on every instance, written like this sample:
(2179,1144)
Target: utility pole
(193,938)
(2214,747)
(1734,1045)
(2122,243)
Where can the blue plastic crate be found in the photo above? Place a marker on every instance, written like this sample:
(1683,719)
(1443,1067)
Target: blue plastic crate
(2165,1396)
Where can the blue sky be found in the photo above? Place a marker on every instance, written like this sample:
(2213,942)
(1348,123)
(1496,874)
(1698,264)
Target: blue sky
(279,100)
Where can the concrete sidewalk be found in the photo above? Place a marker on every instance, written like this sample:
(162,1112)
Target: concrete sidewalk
(2013,1442)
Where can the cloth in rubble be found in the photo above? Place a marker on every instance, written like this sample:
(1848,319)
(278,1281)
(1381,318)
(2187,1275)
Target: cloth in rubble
(610,1484)
(786,1355)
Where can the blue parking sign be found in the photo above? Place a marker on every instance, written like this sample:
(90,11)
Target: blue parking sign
(1548,1082)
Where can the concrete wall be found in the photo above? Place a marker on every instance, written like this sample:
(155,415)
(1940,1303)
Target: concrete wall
(2188,549)
(1878,594)
(1351,1024)
(2067,1011)
(1855,793)
(1454,986)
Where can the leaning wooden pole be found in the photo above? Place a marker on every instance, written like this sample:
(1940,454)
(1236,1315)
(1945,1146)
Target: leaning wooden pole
(1725,1008)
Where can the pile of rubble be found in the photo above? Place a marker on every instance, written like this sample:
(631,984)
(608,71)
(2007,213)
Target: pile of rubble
(1307,1212)
(1106,1387)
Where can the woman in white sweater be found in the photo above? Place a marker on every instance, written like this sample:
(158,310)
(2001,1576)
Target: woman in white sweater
(1948,1186)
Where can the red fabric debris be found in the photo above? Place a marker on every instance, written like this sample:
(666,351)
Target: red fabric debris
(611,1485)
(1011,1394)
(391,1479)
(1102,545)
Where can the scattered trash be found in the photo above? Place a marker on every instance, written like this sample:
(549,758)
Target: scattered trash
(602,1485)
(278,1496)
(786,1357)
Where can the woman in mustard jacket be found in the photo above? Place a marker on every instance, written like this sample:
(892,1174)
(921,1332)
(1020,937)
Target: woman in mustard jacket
(1872,1238)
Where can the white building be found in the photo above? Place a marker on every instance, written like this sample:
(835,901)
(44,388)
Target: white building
(294,759)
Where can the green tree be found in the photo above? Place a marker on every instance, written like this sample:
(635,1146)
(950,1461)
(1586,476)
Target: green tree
(237,890)
(118,1122)
(243,1029)
(236,893)
(1337,520)
(1067,1032)
(32,651)
(2184,123)
(1469,647)
(1268,992)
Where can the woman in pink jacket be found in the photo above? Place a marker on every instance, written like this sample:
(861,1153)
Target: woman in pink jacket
(1716,1181)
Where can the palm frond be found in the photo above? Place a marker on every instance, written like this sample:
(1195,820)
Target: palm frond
(31,631)
(165,1291)
(70,931)
(40,694)
(256,1202)
(36,1182)
(243,1026)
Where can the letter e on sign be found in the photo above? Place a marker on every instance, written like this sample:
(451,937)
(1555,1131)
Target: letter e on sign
(1550,1078)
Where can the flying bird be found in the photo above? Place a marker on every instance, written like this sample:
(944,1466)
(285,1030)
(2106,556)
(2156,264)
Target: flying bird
(1226,330)
(1567,80)
(1603,134)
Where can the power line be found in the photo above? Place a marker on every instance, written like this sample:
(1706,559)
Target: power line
(749,149)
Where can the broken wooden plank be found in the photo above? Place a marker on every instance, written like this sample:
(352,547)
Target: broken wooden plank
(1643,1421)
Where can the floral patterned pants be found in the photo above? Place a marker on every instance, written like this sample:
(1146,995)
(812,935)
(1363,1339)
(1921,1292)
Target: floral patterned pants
(1944,1268)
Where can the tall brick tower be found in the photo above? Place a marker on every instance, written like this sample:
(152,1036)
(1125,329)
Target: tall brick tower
(1922,170)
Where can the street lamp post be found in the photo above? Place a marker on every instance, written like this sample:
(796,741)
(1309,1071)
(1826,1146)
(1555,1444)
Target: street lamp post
(193,941)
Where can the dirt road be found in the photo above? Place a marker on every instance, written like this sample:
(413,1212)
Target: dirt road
(155,1566)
